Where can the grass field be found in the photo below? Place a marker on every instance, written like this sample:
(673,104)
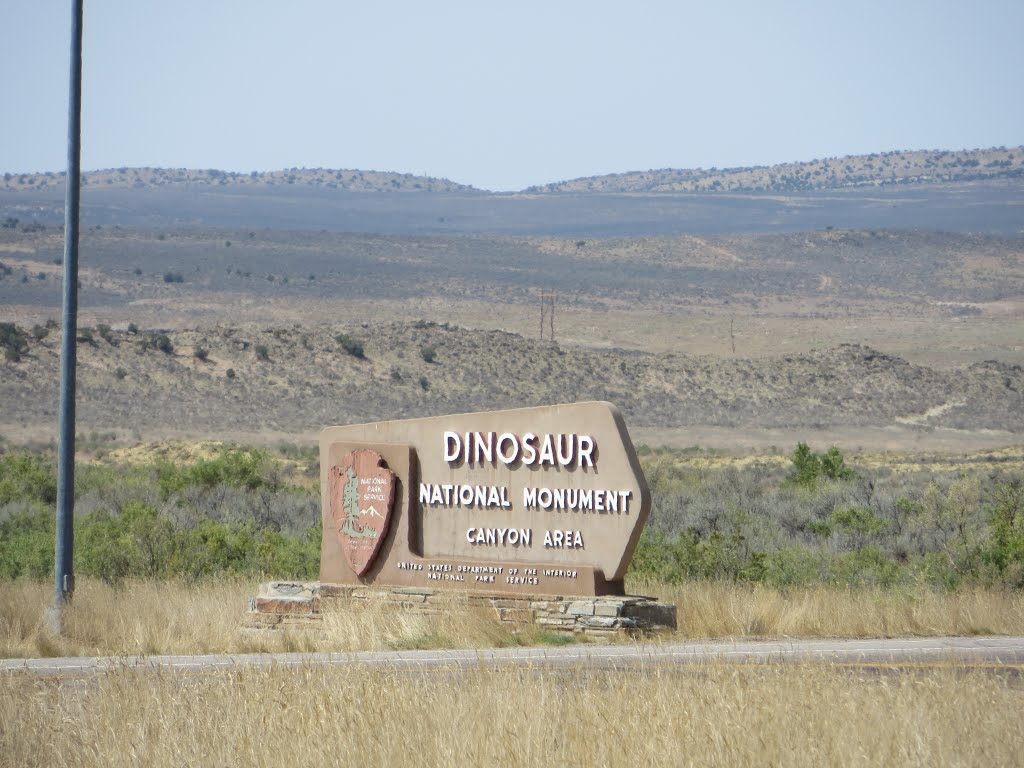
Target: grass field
(174,617)
(713,715)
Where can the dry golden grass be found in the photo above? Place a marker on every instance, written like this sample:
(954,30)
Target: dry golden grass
(146,617)
(173,617)
(710,715)
(727,610)
(168,617)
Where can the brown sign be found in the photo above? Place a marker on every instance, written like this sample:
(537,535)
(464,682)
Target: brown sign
(544,500)
(362,493)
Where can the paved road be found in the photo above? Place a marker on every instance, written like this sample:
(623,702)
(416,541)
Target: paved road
(988,652)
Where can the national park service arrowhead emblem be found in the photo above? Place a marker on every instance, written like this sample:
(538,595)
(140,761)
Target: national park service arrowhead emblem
(362,494)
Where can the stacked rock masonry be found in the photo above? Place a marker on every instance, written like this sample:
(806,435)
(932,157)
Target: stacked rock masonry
(286,604)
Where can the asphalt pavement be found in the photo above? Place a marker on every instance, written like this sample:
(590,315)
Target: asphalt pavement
(987,652)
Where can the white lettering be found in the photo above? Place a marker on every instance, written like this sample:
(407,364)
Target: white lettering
(509,454)
(529,448)
(567,442)
(484,447)
(563,540)
(599,500)
(452,446)
(544,498)
(564,449)
(558,498)
(480,496)
(492,537)
(529,497)
(586,451)
(547,451)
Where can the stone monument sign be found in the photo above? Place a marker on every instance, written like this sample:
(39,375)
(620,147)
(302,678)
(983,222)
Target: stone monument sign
(546,500)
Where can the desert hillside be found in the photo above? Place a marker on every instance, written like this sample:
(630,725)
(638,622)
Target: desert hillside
(296,379)
(875,300)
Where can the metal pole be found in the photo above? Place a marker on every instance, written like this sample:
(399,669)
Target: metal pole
(542,316)
(65,540)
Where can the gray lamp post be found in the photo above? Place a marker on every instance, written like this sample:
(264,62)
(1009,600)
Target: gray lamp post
(64,575)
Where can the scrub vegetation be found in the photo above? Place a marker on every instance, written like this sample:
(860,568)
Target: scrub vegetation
(237,512)
(171,540)
(296,379)
(803,520)
(814,519)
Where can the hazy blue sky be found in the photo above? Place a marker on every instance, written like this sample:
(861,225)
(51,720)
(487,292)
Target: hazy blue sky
(504,95)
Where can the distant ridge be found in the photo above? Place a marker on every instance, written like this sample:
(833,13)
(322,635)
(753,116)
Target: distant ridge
(877,169)
(900,167)
(349,180)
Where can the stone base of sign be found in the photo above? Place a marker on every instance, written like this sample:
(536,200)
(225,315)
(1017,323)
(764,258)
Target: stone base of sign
(301,605)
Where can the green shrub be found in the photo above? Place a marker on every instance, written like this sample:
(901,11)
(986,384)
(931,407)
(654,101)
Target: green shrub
(27,477)
(833,465)
(939,528)
(428,353)
(262,353)
(867,566)
(163,343)
(245,468)
(27,543)
(856,521)
(123,529)
(792,566)
(808,466)
(353,346)
(157,341)
(1004,551)
(138,542)
(14,341)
